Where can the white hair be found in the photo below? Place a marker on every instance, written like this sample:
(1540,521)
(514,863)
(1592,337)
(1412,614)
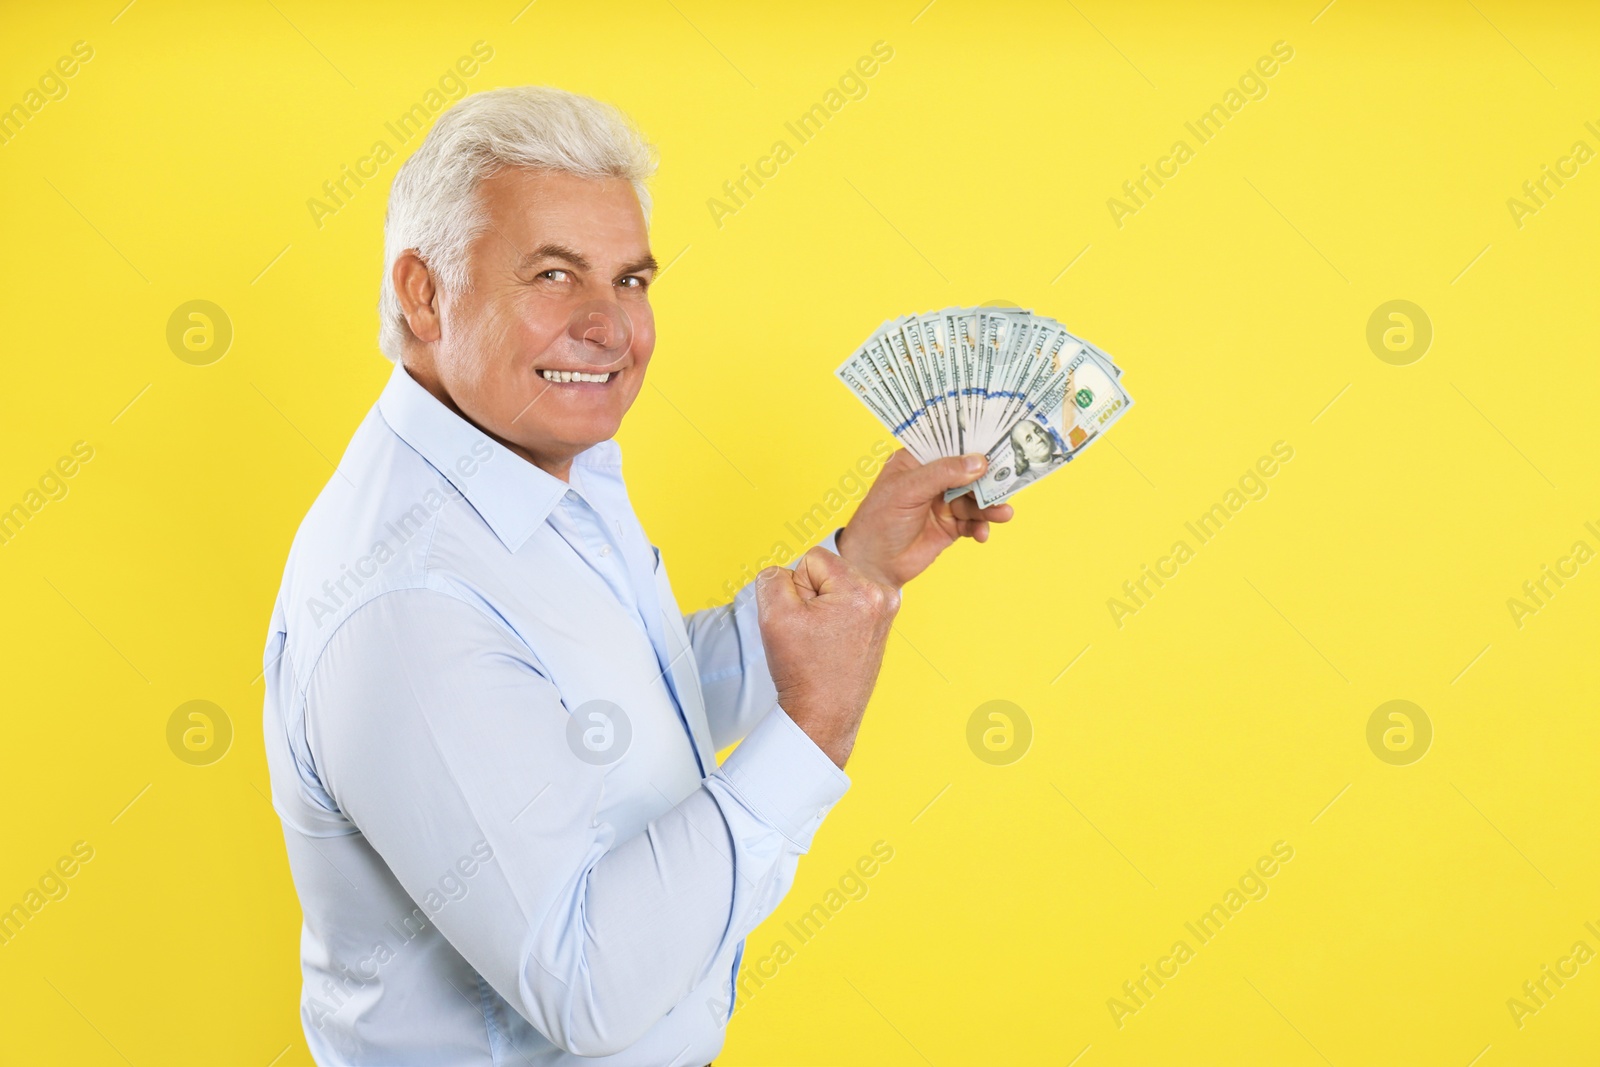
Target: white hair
(434,208)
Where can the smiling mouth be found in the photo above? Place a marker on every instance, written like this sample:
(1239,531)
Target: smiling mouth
(564,376)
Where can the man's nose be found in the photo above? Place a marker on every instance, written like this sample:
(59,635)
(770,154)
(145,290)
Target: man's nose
(601,330)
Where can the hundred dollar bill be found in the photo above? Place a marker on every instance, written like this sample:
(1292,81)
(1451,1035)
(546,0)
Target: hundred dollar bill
(1028,450)
(1000,357)
(909,368)
(1017,387)
(870,375)
(1042,357)
(926,356)
(941,351)
(914,426)
(1082,403)
(1110,363)
(962,325)
(998,339)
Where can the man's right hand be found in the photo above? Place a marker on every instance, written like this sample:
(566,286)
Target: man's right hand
(824,626)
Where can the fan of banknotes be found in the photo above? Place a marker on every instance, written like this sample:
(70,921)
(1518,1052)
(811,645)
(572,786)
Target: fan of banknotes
(998,380)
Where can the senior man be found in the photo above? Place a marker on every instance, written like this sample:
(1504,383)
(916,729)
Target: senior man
(492,735)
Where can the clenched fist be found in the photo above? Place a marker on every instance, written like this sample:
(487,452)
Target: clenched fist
(824,625)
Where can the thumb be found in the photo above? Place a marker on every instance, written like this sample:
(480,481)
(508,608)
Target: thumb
(776,593)
(821,573)
(901,460)
(932,479)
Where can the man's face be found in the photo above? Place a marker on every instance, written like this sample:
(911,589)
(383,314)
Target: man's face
(559,282)
(1032,441)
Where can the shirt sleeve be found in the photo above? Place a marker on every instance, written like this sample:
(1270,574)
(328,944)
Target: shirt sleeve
(434,729)
(734,679)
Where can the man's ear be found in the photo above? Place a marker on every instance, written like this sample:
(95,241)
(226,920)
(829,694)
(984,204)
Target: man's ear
(419,298)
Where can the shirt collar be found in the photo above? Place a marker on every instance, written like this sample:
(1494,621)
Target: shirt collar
(512,495)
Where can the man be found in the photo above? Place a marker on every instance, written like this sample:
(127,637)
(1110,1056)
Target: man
(492,735)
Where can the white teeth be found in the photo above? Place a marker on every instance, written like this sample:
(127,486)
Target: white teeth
(573,376)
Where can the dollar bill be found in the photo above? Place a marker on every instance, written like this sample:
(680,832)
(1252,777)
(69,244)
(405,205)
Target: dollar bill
(1083,401)
(1018,387)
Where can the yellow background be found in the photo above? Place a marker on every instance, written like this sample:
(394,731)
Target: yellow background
(1223,717)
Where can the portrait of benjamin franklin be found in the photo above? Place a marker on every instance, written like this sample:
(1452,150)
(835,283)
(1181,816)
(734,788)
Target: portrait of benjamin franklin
(1035,450)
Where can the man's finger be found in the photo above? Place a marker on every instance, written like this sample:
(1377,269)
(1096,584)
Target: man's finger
(834,577)
(965,507)
(822,573)
(977,529)
(776,591)
(931,479)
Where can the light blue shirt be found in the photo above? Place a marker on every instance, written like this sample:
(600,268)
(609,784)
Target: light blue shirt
(492,738)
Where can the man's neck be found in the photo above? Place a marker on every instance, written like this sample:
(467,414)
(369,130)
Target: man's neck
(561,468)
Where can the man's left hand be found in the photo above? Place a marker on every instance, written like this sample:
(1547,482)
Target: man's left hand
(903,523)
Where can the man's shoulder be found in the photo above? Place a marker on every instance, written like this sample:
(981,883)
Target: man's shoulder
(387,519)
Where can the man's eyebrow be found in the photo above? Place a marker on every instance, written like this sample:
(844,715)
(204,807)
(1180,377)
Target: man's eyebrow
(577,259)
(554,251)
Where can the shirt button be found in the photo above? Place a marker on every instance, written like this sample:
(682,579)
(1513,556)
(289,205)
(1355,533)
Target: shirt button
(605,550)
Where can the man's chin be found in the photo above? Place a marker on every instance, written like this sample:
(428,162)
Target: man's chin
(576,435)
(567,425)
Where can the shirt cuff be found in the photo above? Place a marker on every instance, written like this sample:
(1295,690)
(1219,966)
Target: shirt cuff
(831,543)
(785,778)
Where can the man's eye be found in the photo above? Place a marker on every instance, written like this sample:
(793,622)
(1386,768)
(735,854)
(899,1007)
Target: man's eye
(553,273)
(633,281)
